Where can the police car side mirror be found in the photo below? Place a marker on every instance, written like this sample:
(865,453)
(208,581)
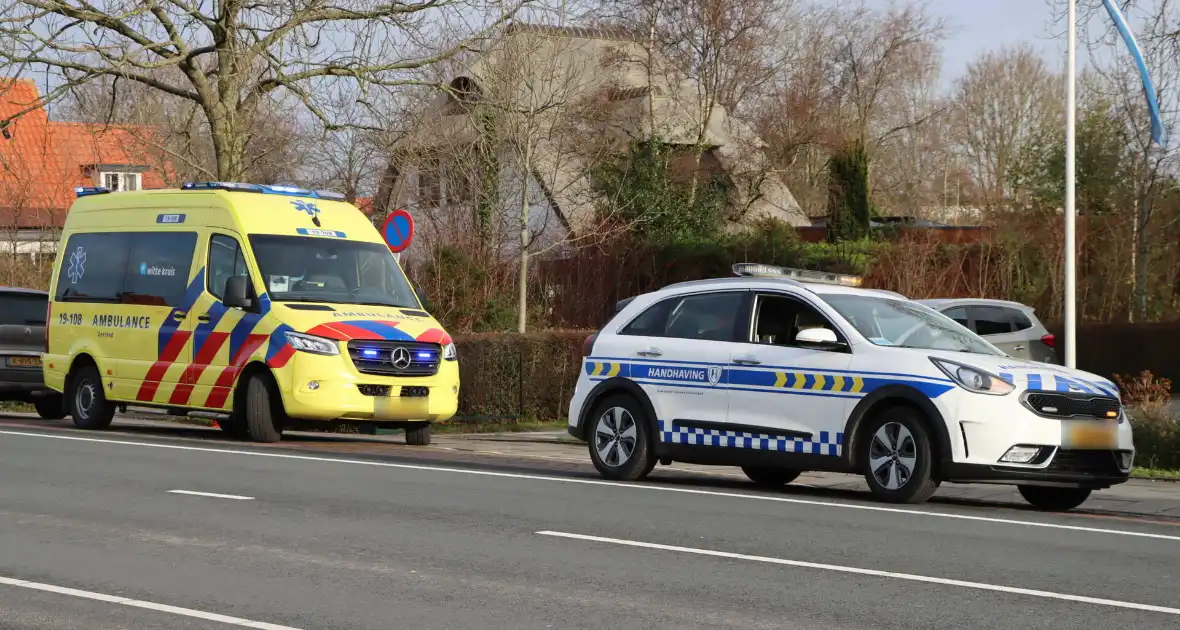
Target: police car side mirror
(817,337)
(237,293)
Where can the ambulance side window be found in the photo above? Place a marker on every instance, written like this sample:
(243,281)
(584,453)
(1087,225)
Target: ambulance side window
(93,267)
(157,268)
(225,261)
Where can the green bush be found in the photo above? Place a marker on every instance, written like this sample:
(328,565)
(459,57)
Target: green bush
(510,375)
(1157,439)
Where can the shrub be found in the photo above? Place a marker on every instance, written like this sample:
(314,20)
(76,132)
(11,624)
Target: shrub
(1146,393)
(1157,439)
(525,376)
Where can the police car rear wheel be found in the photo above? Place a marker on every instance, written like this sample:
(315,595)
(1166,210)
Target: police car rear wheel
(771,477)
(263,410)
(619,445)
(1054,499)
(88,402)
(897,459)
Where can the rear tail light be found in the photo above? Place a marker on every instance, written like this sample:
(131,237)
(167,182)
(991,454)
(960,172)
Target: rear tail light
(588,345)
(48,321)
(1049,340)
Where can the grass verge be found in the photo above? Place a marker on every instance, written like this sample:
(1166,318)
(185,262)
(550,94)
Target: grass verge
(1155,473)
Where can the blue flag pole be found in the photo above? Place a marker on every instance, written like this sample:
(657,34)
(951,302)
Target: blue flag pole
(1158,134)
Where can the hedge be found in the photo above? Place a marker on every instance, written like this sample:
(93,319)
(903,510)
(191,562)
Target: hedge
(518,376)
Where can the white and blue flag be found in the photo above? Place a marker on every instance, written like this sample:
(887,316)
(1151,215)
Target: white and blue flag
(1120,22)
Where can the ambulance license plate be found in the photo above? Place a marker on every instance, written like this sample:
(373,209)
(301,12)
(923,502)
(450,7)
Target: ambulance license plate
(24,361)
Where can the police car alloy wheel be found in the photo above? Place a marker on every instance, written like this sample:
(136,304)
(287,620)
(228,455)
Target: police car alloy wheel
(897,457)
(1054,499)
(771,477)
(619,445)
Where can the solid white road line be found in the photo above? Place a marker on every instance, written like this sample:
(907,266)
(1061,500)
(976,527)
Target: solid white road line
(236,497)
(871,572)
(597,482)
(114,599)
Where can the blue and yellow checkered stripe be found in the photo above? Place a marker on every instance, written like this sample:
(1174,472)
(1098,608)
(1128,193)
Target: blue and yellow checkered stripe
(826,443)
(607,369)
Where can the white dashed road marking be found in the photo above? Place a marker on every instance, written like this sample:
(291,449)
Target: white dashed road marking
(135,603)
(236,497)
(872,572)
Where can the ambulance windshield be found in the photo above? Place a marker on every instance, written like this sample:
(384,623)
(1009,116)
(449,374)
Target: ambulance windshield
(334,271)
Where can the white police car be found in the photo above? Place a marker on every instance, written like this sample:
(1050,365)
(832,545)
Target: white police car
(779,371)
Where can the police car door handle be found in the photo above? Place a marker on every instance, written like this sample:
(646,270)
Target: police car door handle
(1020,347)
(179,315)
(203,317)
(650,352)
(746,361)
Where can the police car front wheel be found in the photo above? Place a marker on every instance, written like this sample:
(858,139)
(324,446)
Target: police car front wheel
(1054,499)
(897,459)
(619,446)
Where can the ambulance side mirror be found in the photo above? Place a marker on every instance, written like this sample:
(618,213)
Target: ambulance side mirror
(237,293)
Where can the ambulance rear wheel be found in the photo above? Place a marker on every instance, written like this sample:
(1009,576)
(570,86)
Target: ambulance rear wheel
(264,409)
(88,402)
(418,435)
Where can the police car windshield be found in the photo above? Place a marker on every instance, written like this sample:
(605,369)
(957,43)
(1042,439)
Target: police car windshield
(311,269)
(886,322)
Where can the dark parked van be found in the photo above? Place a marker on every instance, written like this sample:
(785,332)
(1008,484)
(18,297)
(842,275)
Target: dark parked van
(22,340)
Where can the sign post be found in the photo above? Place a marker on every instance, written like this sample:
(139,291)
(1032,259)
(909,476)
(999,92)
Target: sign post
(398,231)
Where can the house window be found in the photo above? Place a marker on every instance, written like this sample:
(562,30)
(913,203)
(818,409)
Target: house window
(120,181)
(430,183)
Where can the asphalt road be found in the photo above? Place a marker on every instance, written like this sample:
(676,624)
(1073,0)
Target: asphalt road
(300,540)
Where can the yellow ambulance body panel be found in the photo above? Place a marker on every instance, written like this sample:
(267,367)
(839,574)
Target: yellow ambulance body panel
(181,298)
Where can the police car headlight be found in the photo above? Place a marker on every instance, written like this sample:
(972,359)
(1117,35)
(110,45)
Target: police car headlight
(450,352)
(312,344)
(974,379)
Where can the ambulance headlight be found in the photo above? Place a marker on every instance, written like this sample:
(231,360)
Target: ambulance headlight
(974,379)
(312,344)
(450,352)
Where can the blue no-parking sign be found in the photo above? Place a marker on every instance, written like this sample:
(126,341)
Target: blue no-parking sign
(398,230)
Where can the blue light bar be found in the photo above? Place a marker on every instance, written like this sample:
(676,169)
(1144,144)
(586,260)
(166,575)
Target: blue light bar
(266,189)
(86,191)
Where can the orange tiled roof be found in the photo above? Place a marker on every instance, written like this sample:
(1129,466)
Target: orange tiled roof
(42,161)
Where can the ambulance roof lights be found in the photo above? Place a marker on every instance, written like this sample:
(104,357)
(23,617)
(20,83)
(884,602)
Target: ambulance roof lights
(266,189)
(759,270)
(86,191)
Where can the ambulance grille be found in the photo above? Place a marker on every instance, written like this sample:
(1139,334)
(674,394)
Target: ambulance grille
(395,358)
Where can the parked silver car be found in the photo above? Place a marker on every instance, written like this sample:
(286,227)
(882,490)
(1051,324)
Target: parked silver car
(1009,326)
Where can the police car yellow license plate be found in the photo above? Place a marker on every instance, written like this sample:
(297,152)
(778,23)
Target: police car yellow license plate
(1089,435)
(24,361)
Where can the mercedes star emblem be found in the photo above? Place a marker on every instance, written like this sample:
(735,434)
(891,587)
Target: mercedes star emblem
(400,358)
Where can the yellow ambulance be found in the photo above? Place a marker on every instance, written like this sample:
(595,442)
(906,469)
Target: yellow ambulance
(276,305)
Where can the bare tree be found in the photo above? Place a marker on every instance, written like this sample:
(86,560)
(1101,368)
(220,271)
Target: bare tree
(1005,99)
(229,57)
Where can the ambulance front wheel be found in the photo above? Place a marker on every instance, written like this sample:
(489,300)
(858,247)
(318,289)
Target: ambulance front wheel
(418,435)
(264,409)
